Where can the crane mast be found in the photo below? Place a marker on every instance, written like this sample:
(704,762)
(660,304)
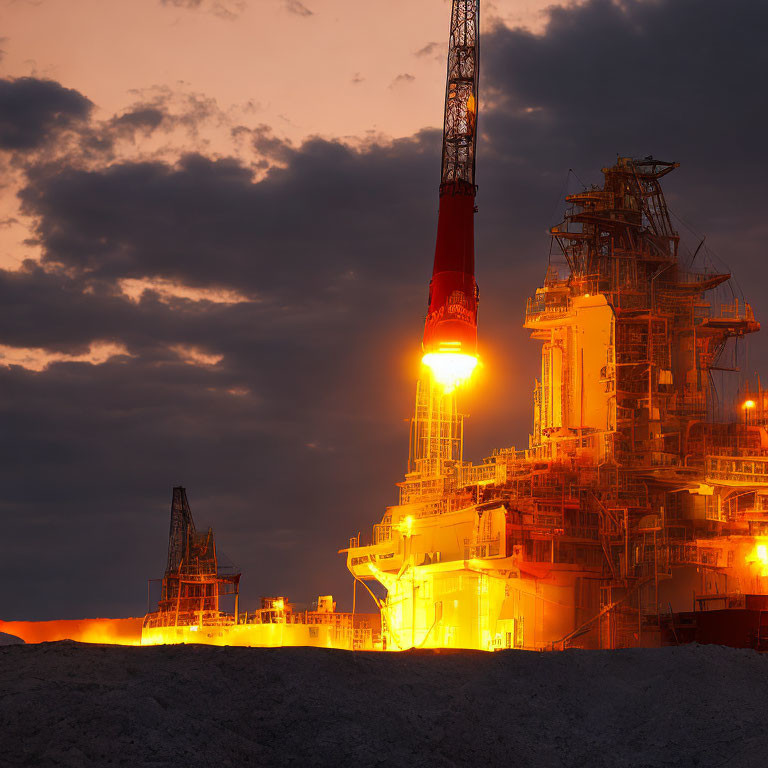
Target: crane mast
(450,331)
(460,122)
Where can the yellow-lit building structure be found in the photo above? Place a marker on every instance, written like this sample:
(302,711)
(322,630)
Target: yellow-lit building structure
(635,501)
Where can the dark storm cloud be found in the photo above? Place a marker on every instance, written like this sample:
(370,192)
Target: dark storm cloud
(33,111)
(297,428)
(206,221)
(676,77)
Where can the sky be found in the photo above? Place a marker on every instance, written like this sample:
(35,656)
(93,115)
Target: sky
(217,222)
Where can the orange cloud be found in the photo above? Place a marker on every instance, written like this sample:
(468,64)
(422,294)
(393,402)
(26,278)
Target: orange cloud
(196,356)
(134,288)
(38,359)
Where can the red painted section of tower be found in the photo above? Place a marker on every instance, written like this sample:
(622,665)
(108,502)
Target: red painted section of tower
(455,247)
(452,313)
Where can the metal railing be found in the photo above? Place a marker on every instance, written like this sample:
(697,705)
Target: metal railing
(752,469)
(486,547)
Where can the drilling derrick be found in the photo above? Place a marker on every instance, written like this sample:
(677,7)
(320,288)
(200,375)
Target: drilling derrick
(193,582)
(190,608)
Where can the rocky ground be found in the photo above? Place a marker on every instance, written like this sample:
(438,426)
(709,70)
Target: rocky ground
(68,704)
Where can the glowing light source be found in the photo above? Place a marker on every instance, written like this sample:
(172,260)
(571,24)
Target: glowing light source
(749,404)
(759,556)
(450,369)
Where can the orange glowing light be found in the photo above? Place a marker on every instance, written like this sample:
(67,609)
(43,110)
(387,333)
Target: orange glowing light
(450,369)
(110,631)
(749,404)
(759,556)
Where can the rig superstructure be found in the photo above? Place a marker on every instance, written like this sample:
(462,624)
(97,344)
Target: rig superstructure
(632,503)
(633,517)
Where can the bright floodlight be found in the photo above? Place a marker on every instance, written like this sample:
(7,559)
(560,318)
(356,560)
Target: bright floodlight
(450,369)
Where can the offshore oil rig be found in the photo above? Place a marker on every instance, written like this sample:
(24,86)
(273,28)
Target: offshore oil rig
(637,515)
(633,517)
(200,599)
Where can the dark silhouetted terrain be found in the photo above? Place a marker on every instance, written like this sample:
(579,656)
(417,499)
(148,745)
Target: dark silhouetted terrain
(67,704)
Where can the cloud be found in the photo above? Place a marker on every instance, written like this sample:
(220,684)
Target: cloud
(431,49)
(43,122)
(161,107)
(205,220)
(196,356)
(297,7)
(405,77)
(36,359)
(142,118)
(34,111)
(329,245)
(269,146)
(225,9)
(169,292)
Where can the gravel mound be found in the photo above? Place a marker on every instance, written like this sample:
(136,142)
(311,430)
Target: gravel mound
(68,704)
